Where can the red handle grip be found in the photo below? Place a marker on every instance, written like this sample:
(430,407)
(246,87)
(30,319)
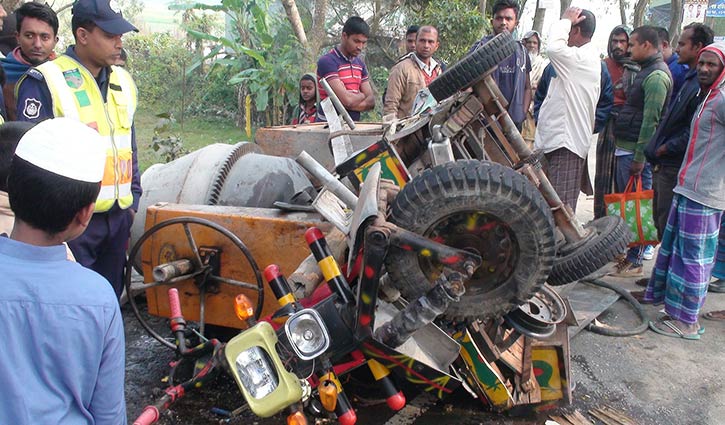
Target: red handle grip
(175,304)
(150,414)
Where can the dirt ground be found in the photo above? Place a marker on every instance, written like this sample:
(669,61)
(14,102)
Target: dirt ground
(650,378)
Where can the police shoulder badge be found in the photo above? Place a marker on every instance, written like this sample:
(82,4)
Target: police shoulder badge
(73,78)
(32,108)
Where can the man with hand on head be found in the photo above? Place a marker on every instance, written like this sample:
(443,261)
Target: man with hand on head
(567,115)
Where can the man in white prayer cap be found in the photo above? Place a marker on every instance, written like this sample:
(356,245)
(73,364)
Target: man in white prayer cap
(62,327)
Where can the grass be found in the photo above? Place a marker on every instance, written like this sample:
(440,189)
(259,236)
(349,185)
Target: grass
(196,133)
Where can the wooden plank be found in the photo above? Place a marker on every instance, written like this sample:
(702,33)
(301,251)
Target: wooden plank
(577,418)
(526,369)
(561,420)
(513,357)
(573,418)
(486,376)
(488,348)
(611,416)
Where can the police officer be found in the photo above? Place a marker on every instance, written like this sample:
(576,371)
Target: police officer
(84,84)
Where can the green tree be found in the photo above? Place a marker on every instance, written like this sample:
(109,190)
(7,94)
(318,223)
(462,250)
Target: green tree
(157,62)
(459,23)
(264,57)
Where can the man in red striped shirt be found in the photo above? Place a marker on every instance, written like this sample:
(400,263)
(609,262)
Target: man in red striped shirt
(345,72)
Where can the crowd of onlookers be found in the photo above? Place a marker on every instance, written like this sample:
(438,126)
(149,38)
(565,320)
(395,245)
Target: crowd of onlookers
(657,111)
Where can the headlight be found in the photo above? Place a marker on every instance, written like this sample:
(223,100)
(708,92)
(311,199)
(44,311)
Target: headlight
(307,334)
(259,372)
(256,372)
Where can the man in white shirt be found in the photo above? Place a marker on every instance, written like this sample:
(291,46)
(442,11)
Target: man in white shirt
(566,118)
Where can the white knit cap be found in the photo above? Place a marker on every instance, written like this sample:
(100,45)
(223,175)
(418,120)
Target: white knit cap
(65,147)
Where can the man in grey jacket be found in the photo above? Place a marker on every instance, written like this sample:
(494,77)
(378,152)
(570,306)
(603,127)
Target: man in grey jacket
(689,244)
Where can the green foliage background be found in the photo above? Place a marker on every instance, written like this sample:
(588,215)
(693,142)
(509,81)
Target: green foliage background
(458,22)
(157,62)
(209,75)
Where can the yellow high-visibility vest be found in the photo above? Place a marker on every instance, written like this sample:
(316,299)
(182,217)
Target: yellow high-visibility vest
(75,94)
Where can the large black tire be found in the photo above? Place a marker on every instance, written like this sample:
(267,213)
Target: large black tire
(610,240)
(480,206)
(471,68)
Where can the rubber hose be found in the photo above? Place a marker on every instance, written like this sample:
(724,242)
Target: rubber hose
(609,331)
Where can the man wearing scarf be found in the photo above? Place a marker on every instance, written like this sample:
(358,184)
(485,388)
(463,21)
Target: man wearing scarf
(621,72)
(687,254)
(37,26)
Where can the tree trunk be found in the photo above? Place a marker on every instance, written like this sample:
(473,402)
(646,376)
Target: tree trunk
(317,35)
(564,5)
(675,20)
(623,11)
(539,18)
(639,9)
(293,15)
(482,8)
(10,5)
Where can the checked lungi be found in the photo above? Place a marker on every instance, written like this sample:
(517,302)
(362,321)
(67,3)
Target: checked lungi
(685,260)
(564,171)
(719,270)
(604,168)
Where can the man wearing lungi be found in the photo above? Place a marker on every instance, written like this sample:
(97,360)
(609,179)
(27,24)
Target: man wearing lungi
(687,254)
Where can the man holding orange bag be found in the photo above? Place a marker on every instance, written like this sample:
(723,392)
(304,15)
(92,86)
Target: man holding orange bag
(634,127)
(687,255)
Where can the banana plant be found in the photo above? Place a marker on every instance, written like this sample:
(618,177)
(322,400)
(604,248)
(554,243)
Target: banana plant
(260,47)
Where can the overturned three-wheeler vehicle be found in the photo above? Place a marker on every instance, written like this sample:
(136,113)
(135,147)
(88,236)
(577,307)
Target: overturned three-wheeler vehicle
(420,248)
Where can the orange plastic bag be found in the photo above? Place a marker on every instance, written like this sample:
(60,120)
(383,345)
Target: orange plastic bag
(636,208)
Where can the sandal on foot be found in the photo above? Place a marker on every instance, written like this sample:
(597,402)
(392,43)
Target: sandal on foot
(717,286)
(700,331)
(672,329)
(718,315)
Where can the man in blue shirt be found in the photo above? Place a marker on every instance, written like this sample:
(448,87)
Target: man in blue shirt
(678,69)
(62,333)
(512,74)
